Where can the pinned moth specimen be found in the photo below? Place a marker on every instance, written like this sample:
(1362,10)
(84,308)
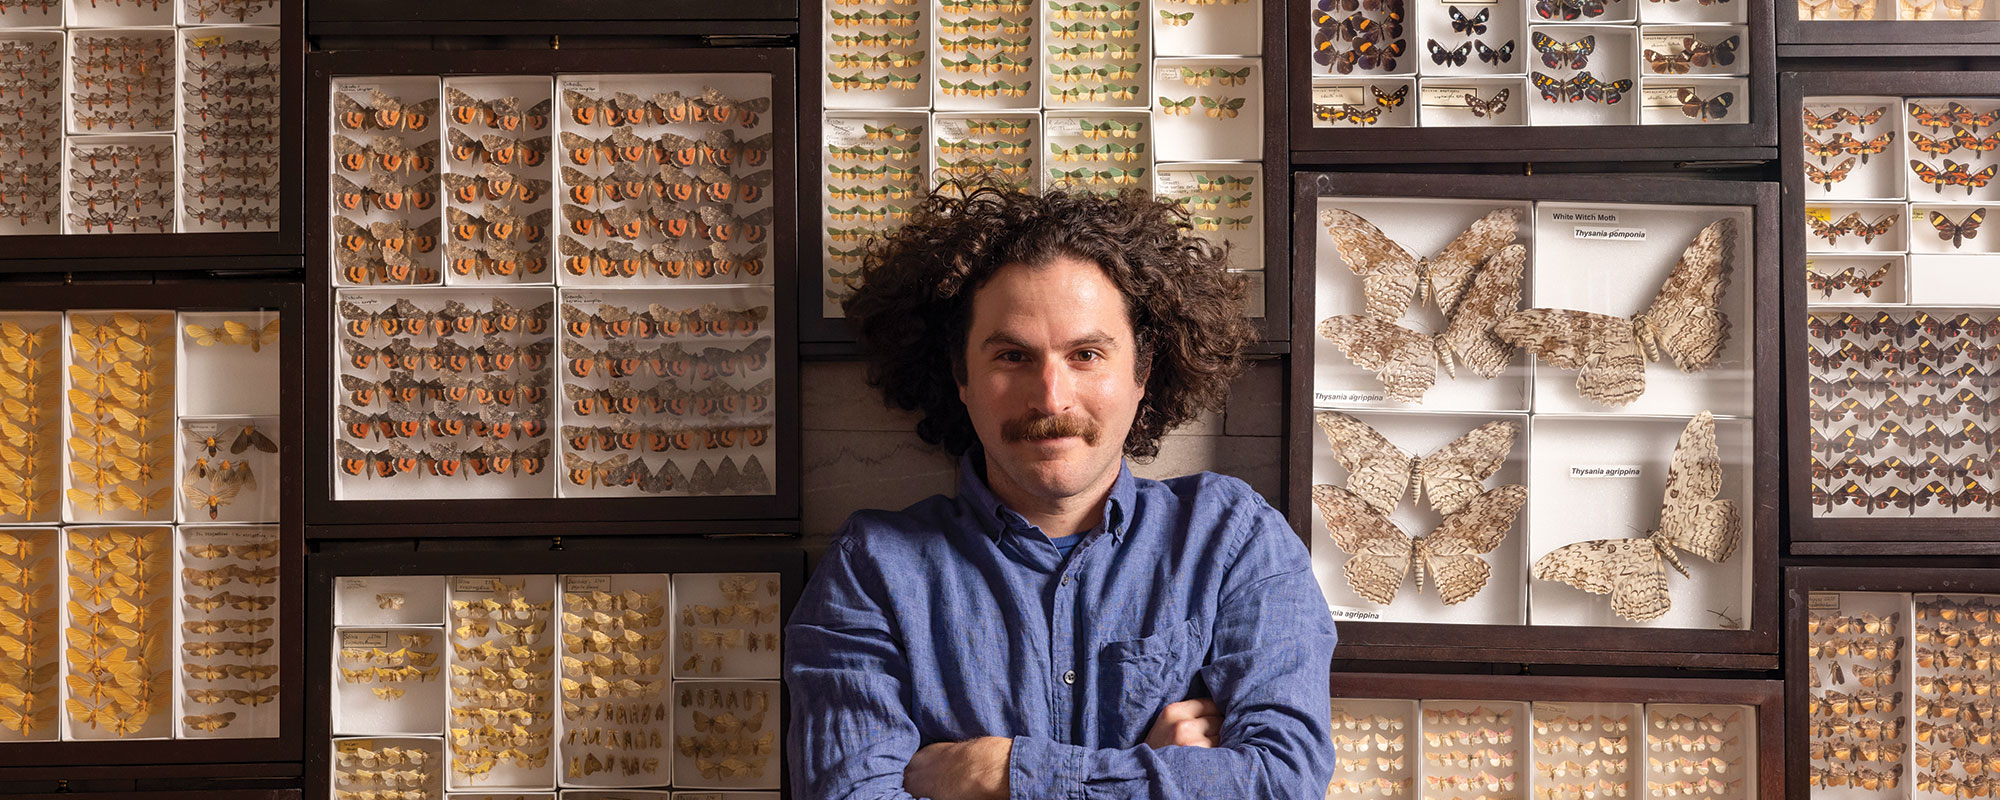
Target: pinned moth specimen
(1693,517)
(1381,554)
(1685,320)
(1380,473)
(211,497)
(1475,280)
(1861,283)
(383,112)
(1959,231)
(1391,276)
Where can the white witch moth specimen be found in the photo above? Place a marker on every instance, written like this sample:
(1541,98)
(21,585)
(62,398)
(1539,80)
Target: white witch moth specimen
(1381,555)
(1692,518)
(1391,277)
(1475,280)
(1685,320)
(1380,473)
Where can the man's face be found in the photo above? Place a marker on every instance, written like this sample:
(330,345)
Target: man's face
(1050,379)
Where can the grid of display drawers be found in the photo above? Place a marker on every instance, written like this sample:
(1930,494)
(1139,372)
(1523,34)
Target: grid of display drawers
(1165,97)
(1903,334)
(139,117)
(520,683)
(1452,749)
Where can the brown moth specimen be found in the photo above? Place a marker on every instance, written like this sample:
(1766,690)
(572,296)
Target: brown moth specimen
(1380,473)
(1407,361)
(1380,554)
(1684,319)
(1391,276)
(1692,518)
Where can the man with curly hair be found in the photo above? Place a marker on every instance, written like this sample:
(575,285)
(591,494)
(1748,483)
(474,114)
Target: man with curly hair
(1059,629)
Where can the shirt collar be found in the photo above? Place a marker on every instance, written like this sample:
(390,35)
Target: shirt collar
(995,517)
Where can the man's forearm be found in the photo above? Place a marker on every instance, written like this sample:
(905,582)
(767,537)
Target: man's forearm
(1044,770)
(975,769)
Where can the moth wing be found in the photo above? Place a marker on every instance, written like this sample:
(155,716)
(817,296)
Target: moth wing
(194,494)
(1692,517)
(1562,338)
(1711,529)
(1685,316)
(1388,272)
(1495,293)
(204,336)
(1943,224)
(1404,360)
(1627,569)
(1450,269)
(1696,469)
(1377,471)
(1379,554)
(1613,368)
(1615,376)
(1453,475)
(1642,585)
(1452,551)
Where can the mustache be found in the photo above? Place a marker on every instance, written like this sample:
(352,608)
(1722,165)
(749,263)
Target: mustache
(1033,429)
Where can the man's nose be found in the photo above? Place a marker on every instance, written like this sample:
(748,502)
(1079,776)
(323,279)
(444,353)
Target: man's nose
(1055,388)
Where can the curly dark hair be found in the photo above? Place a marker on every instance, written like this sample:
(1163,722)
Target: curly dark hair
(915,303)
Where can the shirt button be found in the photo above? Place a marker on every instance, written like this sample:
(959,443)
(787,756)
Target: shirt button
(1066,580)
(1069,677)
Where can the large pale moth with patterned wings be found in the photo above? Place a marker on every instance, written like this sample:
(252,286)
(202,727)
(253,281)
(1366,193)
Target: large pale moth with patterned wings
(1692,518)
(1392,277)
(1475,281)
(1610,353)
(1380,473)
(1381,555)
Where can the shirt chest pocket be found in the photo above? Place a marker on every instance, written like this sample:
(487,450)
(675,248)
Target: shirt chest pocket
(1141,676)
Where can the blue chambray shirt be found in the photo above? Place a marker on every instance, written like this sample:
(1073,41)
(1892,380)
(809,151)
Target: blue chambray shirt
(955,618)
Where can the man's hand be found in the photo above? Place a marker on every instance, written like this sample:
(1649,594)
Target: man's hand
(1189,723)
(975,769)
